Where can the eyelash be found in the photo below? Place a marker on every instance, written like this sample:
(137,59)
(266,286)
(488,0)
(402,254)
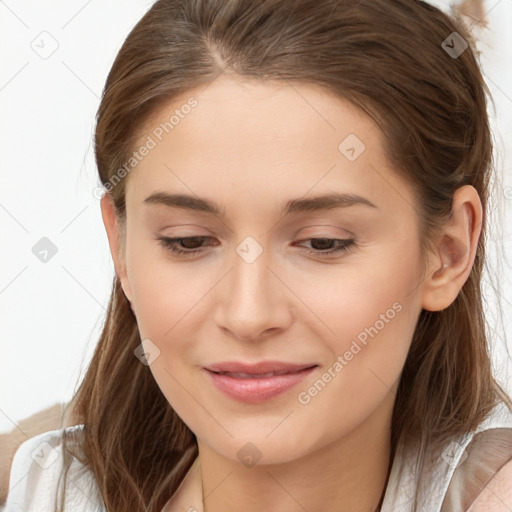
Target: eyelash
(170,244)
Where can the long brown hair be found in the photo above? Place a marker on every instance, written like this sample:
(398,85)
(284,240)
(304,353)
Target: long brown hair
(389,58)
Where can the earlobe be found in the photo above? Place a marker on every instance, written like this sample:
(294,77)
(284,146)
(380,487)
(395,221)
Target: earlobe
(454,254)
(111,224)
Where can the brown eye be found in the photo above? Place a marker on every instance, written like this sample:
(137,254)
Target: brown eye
(323,246)
(189,245)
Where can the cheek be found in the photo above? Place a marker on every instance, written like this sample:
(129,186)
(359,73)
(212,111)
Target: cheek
(368,315)
(165,292)
(168,300)
(371,297)
(368,353)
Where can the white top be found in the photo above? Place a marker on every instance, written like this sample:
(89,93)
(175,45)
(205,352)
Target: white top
(451,480)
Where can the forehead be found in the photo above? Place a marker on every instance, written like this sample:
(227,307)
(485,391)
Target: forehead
(259,143)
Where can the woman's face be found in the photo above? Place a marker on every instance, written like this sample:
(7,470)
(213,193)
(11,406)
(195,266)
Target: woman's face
(258,288)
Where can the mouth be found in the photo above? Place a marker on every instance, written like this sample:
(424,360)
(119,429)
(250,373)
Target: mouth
(253,375)
(258,382)
(260,369)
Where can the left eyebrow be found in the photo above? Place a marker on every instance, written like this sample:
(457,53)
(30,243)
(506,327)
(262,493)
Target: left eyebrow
(325,202)
(293,206)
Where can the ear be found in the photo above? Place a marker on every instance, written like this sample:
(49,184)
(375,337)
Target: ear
(115,242)
(454,251)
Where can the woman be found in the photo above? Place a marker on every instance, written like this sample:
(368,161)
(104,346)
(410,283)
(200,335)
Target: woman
(295,204)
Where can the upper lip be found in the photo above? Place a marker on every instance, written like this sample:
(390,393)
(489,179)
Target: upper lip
(258,368)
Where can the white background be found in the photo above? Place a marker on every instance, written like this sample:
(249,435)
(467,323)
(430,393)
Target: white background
(52,312)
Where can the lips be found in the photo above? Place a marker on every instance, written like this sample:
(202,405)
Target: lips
(255,383)
(261,368)
(252,375)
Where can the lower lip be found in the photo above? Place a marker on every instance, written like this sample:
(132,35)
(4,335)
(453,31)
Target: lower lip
(257,390)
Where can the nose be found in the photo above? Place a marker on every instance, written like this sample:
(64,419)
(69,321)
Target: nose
(254,302)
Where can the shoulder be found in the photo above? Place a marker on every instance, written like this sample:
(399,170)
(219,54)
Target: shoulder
(35,478)
(497,494)
(487,469)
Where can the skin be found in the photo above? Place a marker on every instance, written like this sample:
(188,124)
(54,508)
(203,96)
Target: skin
(497,494)
(250,147)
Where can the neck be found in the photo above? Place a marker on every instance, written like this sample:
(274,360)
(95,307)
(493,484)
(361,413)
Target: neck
(347,475)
